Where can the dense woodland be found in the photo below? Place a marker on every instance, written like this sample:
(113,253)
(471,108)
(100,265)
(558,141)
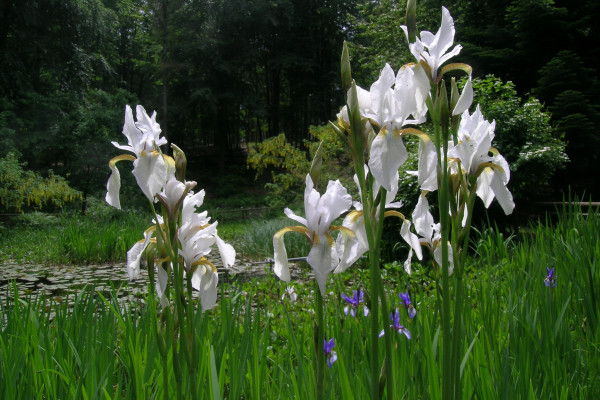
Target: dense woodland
(223,73)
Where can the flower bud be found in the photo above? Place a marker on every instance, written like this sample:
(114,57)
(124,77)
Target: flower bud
(346,71)
(180,163)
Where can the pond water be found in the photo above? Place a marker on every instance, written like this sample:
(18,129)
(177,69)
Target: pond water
(58,282)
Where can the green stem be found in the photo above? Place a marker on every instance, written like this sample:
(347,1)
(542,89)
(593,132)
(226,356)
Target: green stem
(373,274)
(389,375)
(443,200)
(319,337)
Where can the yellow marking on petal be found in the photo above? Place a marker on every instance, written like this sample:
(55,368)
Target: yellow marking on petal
(413,131)
(355,215)
(205,262)
(150,230)
(160,261)
(343,230)
(455,67)
(300,229)
(485,165)
(122,157)
(408,65)
(393,213)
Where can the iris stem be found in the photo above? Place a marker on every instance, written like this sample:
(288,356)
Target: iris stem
(319,342)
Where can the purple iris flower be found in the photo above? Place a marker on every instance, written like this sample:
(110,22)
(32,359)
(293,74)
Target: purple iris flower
(396,325)
(550,279)
(354,301)
(409,307)
(329,353)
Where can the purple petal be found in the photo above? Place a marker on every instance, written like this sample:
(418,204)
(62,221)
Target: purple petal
(405,331)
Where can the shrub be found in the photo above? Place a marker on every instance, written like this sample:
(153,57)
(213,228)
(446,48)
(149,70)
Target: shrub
(534,149)
(289,164)
(20,188)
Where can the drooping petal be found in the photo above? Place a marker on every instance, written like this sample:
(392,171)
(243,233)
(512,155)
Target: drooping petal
(407,264)
(281,267)
(150,172)
(437,255)
(134,255)
(427,174)
(347,250)
(355,222)
(162,278)
(411,238)
(502,194)
(205,281)
(113,187)
(387,154)
(423,219)
(227,252)
(323,259)
(484,188)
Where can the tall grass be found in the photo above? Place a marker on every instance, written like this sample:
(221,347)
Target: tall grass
(522,338)
(256,241)
(85,240)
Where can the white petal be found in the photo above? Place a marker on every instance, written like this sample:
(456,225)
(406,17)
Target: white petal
(205,281)
(134,256)
(411,239)
(437,255)
(133,134)
(150,172)
(227,252)
(423,219)
(387,155)
(465,100)
(281,267)
(162,278)
(323,258)
(484,189)
(347,247)
(113,186)
(427,175)
(190,203)
(332,204)
(502,193)
(291,215)
(407,263)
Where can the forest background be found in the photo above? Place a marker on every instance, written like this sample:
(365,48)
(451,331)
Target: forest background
(223,74)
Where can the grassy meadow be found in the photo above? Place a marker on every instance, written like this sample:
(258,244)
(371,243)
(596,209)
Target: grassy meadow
(523,339)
